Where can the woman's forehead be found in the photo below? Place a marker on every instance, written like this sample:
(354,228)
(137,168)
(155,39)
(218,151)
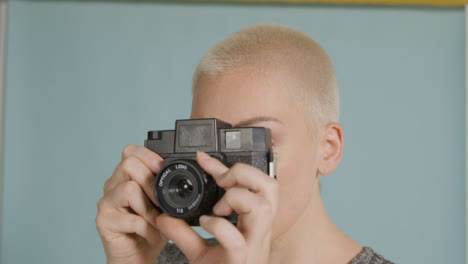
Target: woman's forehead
(236,97)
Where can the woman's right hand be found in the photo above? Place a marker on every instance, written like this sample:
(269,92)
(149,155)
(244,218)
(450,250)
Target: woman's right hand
(126,217)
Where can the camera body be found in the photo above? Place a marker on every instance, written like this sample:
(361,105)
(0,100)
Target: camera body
(184,190)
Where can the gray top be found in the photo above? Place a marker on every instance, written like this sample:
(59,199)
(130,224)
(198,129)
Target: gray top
(171,254)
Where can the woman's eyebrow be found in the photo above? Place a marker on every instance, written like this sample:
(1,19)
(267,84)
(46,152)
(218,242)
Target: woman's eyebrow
(257,119)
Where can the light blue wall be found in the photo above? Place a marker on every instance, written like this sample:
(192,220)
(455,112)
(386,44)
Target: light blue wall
(85,78)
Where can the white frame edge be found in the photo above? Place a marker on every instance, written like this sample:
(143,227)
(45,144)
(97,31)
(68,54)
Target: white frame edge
(3,43)
(466,134)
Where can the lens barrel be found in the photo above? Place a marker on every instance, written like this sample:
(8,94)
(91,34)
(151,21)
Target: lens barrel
(183,190)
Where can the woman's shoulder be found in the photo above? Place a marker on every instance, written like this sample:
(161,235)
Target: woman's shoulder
(369,256)
(171,254)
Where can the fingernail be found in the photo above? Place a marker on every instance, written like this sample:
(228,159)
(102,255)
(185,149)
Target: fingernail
(157,165)
(203,155)
(204,219)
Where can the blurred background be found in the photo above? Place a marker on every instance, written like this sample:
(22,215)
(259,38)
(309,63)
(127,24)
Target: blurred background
(86,78)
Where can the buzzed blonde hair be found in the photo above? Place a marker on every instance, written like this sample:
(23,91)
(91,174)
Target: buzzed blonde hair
(272,43)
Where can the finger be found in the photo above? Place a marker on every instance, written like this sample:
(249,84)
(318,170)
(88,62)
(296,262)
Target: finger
(241,200)
(252,208)
(110,225)
(216,169)
(213,166)
(240,174)
(151,159)
(249,177)
(129,194)
(132,169)
(228,237)
(177,230)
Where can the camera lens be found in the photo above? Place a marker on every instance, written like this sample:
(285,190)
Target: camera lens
(183,190)
(180,191)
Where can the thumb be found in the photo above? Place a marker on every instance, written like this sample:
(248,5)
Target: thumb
(177,230)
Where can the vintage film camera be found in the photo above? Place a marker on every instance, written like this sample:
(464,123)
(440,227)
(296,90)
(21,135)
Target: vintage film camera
(182,188)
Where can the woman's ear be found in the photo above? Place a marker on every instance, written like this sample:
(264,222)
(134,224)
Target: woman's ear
(331,147)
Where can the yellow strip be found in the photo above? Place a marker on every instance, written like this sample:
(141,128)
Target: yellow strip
(371,2)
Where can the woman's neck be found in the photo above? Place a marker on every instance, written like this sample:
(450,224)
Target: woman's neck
(314,239)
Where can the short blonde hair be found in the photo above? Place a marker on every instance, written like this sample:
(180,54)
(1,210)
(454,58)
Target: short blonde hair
(273,43)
